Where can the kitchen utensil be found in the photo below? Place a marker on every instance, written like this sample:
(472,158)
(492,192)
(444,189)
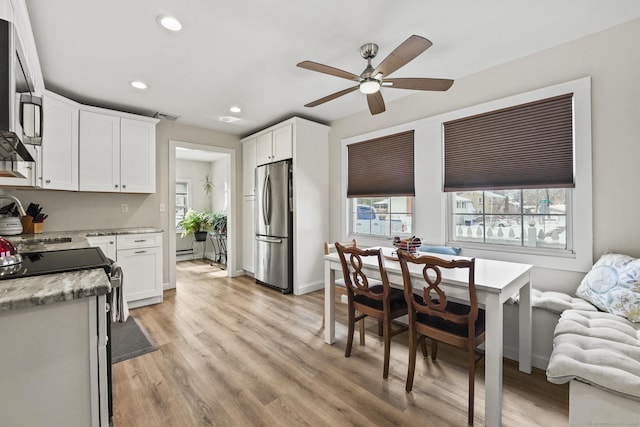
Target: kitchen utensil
(10,226)
(8,256)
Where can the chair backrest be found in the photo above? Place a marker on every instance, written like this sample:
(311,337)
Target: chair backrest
(356,281)
(331,247)
(433,300)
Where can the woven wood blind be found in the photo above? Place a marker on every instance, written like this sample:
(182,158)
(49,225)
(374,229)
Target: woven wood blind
(381,166)
(524,146)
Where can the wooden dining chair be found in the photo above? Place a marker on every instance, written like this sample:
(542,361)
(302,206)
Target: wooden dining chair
(369,297)
(340,288)
(432,315)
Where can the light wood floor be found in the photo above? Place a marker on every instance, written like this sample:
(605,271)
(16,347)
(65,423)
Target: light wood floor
(233,353)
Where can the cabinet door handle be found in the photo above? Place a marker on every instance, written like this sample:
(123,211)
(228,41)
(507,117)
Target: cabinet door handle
(124,186)
(140,252)
(116,185)
(139,241)
(48,181)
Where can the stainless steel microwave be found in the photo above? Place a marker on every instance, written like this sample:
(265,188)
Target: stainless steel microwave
(20,109)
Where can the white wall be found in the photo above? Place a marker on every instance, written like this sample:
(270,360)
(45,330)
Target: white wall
(612,61)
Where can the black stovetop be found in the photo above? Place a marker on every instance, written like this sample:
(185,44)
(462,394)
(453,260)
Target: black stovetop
(50,262)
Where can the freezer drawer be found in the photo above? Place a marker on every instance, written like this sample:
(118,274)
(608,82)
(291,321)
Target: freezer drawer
(272,262)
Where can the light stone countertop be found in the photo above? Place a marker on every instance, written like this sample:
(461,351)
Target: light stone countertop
(51,288)
(53,241)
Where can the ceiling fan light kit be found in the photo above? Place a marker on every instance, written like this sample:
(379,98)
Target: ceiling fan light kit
(369,85)
(371,80)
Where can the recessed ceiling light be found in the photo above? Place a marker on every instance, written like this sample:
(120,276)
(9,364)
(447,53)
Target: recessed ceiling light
(138,84)
(235,109)
(169,22)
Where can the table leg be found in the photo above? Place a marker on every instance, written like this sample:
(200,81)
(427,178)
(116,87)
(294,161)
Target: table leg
(493,361)
(329,303)
(524,325)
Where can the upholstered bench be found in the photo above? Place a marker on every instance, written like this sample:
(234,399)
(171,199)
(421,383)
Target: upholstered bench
(599,353)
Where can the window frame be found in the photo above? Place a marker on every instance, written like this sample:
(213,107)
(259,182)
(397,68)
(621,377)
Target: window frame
(187,182)
(351,224)
(564,252)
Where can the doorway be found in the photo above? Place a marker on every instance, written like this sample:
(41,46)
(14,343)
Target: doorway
(201,177)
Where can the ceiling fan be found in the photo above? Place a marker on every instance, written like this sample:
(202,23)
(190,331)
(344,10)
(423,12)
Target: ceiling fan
(372,79)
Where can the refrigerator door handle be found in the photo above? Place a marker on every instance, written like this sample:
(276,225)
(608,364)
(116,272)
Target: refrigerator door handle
(266,202)
(268,239)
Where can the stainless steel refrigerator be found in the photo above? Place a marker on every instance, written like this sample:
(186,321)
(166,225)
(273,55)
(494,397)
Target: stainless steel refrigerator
(274,226)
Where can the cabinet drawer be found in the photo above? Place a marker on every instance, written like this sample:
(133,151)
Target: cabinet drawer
(145,240)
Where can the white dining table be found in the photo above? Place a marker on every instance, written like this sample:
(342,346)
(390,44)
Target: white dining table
(496,282)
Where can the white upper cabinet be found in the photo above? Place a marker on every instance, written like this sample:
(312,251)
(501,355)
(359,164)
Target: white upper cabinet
(248,167)
(137,156)
(264,148)
(117,154)
(275,145)
(60,143)
(282,143)
(99,152)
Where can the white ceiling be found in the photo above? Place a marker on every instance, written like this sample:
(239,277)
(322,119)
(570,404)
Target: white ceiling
(245,52)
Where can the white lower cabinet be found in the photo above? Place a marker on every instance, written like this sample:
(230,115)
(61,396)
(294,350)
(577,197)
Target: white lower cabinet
(53,367)
(140,256)
(142,269)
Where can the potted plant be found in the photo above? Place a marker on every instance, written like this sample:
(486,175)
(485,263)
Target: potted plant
(197,223)
(220,222)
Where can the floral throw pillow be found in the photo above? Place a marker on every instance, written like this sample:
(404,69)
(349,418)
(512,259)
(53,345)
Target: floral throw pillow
(613,285)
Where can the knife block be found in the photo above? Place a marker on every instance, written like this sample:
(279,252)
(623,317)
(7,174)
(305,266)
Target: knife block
(30,227)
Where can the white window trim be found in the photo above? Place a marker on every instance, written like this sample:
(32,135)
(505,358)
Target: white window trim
(430,209)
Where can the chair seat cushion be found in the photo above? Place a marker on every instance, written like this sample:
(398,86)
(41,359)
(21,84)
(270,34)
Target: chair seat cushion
(449,326)
(396,299)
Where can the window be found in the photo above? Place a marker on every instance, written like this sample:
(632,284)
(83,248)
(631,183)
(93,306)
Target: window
(183,189)
(510,173)
(384,217)
(381,185)
(515,217)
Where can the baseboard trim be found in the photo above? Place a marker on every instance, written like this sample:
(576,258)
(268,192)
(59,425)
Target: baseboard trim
(310,287)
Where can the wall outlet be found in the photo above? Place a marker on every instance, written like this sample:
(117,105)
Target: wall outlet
(124,208)
(163,207)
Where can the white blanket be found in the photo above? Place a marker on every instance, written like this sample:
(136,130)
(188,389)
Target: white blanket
(597,348)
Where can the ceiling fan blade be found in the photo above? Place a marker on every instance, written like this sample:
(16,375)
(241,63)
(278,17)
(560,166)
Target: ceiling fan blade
(321,68)
(376,103)
(332,96)
(418,84)
(408,50)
